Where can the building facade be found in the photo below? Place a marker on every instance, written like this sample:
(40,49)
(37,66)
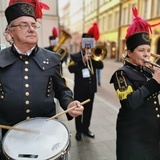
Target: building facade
(113,18)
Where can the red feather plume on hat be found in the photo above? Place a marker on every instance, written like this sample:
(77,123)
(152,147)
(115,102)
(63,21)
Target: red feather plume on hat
(138,25)
(38,6)
(54,32)
(94,30)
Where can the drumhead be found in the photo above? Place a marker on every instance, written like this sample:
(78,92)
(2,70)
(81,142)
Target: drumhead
(50,140)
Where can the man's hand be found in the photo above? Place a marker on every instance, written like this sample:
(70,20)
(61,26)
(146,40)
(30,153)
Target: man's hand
(77,111)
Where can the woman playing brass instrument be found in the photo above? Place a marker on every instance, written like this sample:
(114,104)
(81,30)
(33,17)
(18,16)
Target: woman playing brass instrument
(137,87)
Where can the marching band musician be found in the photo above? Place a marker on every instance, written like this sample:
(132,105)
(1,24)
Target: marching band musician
(52,40)
(138,87)
(85,83)
(30,76)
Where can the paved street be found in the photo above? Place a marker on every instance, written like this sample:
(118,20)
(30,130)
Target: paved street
(102,147)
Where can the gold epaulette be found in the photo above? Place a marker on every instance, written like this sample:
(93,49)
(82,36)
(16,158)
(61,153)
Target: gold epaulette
(124,89)
(123,94)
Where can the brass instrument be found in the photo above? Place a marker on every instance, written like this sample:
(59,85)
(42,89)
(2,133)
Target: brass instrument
(63,37)
(157,57)
(88,52)
(152,63)
(63,53)
(99,52)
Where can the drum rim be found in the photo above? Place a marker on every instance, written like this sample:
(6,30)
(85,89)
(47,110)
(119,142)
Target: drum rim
(55,156)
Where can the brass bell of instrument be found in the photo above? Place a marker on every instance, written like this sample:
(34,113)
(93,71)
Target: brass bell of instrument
(99,52)
(63,37)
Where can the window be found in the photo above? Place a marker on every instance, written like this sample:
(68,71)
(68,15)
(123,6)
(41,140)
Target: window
(116,19)
(124,16)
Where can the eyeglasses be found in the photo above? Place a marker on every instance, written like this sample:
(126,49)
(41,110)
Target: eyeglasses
(27,26)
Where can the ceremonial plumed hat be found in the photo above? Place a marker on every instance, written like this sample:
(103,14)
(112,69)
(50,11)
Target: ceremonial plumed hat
(93,32)
(138,32)
(54,33)
(86,35)
(19,9)
(37,5)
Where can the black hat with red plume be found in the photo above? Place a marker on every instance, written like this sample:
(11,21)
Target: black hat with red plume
(53,37)
(138,32)
(54,34)
(18,8)
(93,32)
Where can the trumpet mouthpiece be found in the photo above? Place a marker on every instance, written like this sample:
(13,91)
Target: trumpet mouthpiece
(146,61)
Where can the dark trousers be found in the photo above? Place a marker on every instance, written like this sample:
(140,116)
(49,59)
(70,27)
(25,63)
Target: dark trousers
(83,122)
(98,76)
(129,149)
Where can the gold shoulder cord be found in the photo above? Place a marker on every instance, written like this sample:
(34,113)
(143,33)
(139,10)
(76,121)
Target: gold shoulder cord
(123,90)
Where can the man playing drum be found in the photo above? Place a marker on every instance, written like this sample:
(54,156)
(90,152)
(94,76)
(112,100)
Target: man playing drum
(30,76)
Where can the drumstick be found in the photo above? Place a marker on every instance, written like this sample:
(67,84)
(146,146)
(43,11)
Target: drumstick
(18,129)
(59,114)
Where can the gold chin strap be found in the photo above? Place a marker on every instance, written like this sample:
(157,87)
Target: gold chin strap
(124,90)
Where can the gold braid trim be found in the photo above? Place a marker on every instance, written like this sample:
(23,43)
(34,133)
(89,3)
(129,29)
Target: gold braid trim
(124,90)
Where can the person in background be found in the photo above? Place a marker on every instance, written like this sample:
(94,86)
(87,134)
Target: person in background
(53,43)
(65,58)
(85,82)
(137,85)
(30,75)
(98,77)
(53,40)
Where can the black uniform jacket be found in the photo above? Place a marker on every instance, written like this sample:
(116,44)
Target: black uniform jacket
(83,85)
(139,115)
(28,86)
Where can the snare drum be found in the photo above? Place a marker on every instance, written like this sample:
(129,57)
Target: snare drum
(50,142)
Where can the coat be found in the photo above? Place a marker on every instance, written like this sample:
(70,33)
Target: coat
(83,85)
(139,114)
(28,85)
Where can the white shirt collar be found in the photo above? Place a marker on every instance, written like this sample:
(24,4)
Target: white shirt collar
(27,53)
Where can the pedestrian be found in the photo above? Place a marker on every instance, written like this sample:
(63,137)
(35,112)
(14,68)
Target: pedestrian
(85,83)
(30,76)
(98,77)
(137,86)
